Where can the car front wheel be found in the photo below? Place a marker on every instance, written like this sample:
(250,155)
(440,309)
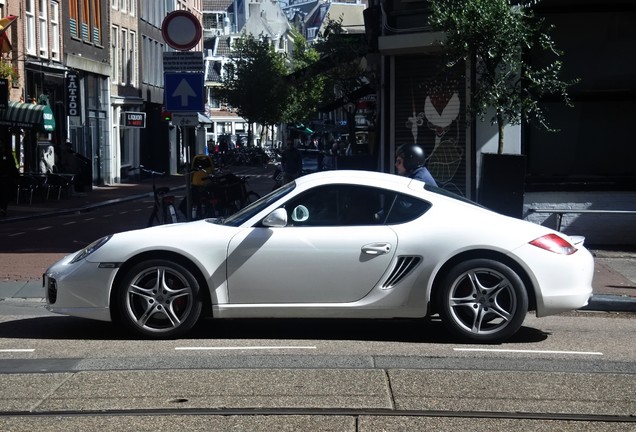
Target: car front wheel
(159,299)
(483,300)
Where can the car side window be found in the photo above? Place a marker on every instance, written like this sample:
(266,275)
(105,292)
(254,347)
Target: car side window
(406,208)
(340,205)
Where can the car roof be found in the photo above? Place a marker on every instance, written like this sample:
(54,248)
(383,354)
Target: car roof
(356,176)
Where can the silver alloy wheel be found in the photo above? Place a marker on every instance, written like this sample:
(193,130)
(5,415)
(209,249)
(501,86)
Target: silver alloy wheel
(484,300)
(159,299)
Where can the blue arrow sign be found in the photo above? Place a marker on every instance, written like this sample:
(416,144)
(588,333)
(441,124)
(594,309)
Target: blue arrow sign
(184,92)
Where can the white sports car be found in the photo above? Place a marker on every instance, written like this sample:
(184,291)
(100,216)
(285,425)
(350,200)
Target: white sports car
(340,244)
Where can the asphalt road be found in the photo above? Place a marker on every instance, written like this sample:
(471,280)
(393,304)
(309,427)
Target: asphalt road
(568,372)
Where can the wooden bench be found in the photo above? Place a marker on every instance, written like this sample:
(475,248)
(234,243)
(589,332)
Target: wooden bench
(560,212)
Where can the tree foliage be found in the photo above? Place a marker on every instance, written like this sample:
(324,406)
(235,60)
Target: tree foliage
(253,81)
(495,36)
(343,70)
(305,95)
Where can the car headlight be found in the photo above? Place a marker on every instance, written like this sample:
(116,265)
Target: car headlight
(90,249)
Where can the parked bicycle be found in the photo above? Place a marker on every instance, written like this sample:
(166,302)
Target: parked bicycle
(163,209)
(278,177)
(221,196)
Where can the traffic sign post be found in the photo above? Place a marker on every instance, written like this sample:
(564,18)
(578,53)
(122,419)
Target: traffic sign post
(183,61)
(181,30)
(185,119)
(184,92)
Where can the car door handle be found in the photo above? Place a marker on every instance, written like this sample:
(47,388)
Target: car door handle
(376,248)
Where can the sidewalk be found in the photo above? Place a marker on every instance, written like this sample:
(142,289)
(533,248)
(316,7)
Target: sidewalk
(614,278)
(99,196)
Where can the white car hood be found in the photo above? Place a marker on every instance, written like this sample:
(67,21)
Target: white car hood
(192,239)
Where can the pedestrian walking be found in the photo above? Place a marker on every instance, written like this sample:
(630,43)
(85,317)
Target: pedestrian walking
(292,162)
(8,178)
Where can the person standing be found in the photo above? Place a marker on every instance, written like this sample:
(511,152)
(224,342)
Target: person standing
(8,178)
(292,162)
(410,161)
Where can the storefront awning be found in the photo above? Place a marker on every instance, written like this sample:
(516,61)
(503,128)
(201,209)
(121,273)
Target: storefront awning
(203,119)
(28,116)
(299,127)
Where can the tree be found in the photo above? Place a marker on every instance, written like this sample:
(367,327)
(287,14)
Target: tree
(343,70)
(253,82)
(494,36)
(305,94)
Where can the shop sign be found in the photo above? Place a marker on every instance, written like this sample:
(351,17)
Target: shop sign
(134,119)
(73,95)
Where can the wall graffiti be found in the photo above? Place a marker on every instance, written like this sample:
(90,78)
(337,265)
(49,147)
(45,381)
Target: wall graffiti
(441,113)
(429,112)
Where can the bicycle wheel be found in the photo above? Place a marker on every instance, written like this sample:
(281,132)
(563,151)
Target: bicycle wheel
(170,214)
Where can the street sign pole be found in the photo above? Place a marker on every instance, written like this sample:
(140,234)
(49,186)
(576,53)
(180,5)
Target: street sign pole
(182,31)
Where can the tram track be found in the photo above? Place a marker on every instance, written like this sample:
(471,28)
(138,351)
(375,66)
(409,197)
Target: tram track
(349,412)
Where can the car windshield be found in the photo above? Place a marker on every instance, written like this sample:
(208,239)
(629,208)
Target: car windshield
(257,206)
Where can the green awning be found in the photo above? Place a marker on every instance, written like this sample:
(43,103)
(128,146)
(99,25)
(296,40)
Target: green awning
(299,127)
(28,116)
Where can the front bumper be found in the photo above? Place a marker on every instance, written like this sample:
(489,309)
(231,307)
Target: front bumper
(80,289)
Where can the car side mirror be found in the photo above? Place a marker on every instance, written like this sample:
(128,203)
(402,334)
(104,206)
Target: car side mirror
(276,219)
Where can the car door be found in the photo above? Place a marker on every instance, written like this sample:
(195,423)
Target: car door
(334,252)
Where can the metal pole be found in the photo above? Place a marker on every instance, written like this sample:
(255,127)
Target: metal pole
(188,173)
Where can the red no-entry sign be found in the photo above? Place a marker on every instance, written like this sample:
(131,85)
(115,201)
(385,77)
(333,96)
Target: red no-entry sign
(181,30)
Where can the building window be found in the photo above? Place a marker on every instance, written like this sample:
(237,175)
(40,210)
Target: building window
(151,62)
(122,6)
(55,30)
(157,63)
(124,53)
(132,55)
(30,26)
(73,18)
(85,21)
(114,43)
(144,60)
(97,22)
(132,7)
(44,28)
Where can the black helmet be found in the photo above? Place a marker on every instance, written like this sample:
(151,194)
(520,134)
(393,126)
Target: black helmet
(412,155)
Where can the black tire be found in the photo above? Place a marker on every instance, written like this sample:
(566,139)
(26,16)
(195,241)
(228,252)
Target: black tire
(482,300)
(159,299)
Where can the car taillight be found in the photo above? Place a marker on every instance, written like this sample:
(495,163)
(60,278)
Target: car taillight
(554,243)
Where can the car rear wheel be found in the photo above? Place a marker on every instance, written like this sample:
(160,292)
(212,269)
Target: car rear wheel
(159,299)
(483,300)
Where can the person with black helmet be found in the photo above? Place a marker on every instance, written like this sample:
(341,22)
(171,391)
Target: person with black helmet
(410,161)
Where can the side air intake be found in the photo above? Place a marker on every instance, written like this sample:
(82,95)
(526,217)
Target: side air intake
(404,266)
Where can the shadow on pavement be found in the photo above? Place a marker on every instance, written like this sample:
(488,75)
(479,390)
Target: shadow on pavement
(398,330)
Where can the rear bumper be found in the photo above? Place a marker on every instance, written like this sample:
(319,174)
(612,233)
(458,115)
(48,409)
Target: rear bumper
(561,282)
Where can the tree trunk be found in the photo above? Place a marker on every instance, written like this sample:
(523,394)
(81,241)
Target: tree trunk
(500,126)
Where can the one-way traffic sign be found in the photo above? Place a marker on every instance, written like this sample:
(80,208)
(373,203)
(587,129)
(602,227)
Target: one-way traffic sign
(184,92)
